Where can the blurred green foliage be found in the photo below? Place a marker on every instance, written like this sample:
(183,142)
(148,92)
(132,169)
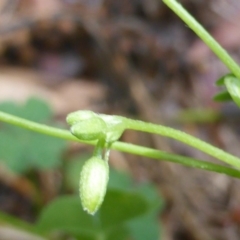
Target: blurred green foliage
(231,91)
(22,150)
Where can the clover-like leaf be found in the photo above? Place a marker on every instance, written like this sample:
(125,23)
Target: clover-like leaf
(65,214)
(21,149)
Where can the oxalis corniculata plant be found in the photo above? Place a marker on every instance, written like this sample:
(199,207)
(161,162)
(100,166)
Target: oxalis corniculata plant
(103,131)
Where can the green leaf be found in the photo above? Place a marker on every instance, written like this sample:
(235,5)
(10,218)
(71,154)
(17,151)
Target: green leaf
(128,211)
(221,80)
(65,214)
(120,180)
(120,206)
(72,171)
(34,109)
(147,225)
(149,192)
(139,227)
(45,152)
(37,110)
(223,96)
(233,87)
(121,232)
(22,150)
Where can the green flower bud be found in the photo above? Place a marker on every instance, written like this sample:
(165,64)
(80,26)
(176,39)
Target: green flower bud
(93,184)
(90,129)
(81,115)
(87,125)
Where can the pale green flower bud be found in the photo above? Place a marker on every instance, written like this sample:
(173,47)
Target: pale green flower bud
(89,129)
(93,184)
(80,115)
(87,125)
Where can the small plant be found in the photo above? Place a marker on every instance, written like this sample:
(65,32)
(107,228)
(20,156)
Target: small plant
(103,131)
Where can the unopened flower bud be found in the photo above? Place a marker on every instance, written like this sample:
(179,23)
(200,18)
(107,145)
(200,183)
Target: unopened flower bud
(90,129)
(93,184)
(80,115)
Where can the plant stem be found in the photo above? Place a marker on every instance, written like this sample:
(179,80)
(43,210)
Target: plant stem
(186,161)
(33,126)
(205,36)
(124,147)
(185,138)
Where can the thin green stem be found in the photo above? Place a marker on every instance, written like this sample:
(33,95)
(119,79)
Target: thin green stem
(186,161)
(99,147)
(205,36)
(185,138)
(124,147)
(33,126)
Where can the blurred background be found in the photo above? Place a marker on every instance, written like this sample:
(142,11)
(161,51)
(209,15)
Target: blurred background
(132,58)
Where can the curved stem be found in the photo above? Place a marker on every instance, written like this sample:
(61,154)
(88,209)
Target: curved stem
(124,147)
(185,138)
(205,36)
(33,126)
(186,161)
